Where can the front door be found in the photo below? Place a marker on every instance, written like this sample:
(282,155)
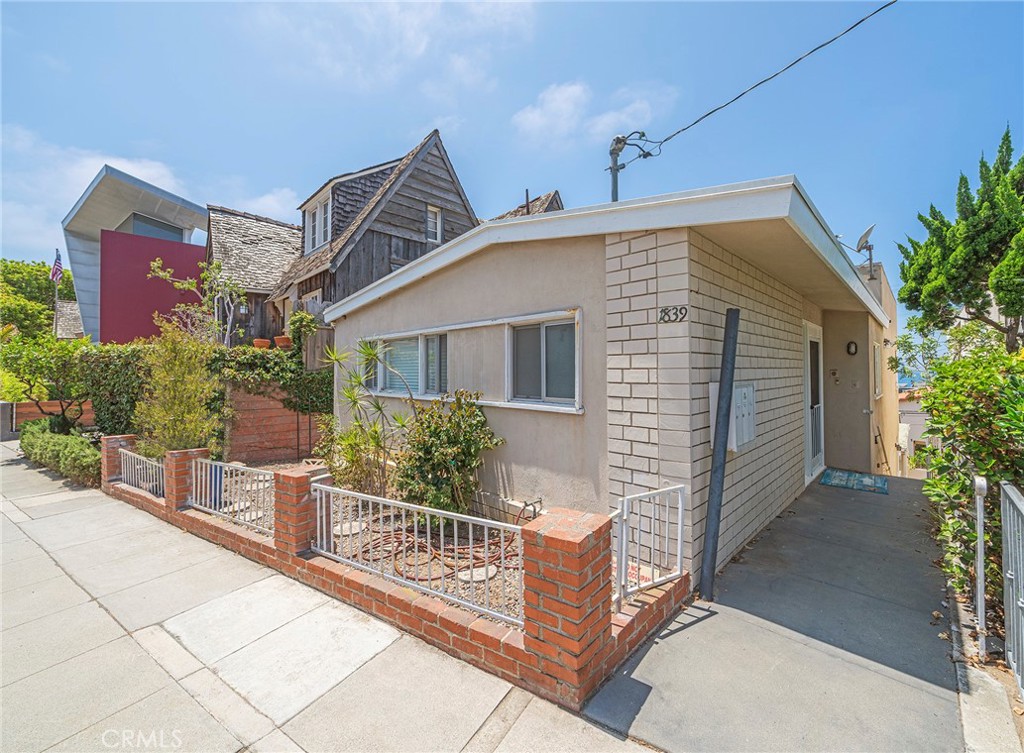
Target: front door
(814,454)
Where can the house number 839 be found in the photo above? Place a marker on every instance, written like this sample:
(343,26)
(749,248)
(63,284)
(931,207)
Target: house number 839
(671,314)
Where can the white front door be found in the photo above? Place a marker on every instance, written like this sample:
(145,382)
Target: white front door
(814,420)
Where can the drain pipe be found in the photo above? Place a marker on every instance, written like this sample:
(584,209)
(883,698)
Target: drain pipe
(723,413)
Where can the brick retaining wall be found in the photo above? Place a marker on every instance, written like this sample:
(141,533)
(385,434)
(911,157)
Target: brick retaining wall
(570,642)
(262,430)
(28,411)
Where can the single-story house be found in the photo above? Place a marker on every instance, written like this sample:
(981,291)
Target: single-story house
(594,336)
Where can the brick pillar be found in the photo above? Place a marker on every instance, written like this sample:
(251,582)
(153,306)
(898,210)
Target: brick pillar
(110,458)
(567,582)
(178,476)
(294,511)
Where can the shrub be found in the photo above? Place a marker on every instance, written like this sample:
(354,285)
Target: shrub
(175,411)
(70,455)
(115,378)
(975,404)
(443,450)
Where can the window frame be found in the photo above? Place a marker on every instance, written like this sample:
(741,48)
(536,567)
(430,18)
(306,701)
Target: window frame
(379,378)
(575,402)
(317,222)
(438,236)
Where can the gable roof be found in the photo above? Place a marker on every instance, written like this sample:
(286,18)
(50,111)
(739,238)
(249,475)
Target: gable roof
(67,319)
(349,176)
(781,201)
(549,202)
(330,256)
(253,250)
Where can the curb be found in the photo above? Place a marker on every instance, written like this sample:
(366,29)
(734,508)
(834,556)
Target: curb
(985,714)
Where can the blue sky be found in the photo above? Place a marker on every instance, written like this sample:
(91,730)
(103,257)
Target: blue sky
(254,106)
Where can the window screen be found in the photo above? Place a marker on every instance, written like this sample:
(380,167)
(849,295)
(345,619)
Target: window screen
(560,361)
(433,224)
(526,363)
(312,229)
(437,363)
(404,357)
(325,221)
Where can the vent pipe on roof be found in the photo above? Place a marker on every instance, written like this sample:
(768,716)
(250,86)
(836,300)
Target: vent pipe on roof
(527,200)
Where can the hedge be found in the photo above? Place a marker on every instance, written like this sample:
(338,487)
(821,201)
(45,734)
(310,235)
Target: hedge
(115,377)
(70,455)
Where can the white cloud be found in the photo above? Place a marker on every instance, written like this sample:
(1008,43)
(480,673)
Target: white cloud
(563,111)
(278,203)
(368,45)
(557,113)
(42,181)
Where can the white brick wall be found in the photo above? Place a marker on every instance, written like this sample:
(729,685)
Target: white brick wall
(658,376)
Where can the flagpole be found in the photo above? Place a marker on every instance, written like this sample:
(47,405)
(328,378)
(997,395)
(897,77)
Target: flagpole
(56,293)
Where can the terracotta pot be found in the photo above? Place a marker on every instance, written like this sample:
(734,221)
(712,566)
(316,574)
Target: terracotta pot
(260,343)
(283,341)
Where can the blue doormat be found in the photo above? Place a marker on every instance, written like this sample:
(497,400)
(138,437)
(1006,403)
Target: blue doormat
(861,482)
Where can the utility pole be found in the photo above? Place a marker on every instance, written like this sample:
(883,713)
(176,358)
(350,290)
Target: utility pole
(617,145)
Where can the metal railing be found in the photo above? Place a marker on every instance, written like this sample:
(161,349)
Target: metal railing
(647,539)
(1013,577)
(470,561)
(236,492)
(142,473)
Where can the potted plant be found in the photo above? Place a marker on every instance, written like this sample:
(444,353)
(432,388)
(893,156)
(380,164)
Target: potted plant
(260,343)
(283,341)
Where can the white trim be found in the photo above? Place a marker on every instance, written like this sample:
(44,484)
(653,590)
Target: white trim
(517,405)
(813,332)
(877,369)
(565,313)
(771,198)
(438,227)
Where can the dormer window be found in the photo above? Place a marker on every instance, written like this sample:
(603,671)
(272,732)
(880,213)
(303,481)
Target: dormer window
(318,224)
(435,226)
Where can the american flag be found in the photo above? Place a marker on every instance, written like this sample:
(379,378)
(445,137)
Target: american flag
(57,272)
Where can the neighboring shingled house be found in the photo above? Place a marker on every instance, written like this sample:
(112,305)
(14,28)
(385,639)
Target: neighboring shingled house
(255,252)
(360,226)
(68,321)
(549,202)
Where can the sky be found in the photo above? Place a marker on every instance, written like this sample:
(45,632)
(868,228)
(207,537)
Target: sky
(254,106)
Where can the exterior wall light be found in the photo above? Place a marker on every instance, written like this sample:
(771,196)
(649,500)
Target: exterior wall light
(851,348)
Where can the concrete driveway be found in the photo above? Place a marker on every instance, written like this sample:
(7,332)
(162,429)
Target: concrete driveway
(821,638)
(121,632)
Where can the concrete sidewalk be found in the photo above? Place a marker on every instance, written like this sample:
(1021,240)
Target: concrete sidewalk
(121,632)
(821,638)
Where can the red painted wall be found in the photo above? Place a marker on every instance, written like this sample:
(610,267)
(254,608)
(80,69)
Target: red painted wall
(128,298)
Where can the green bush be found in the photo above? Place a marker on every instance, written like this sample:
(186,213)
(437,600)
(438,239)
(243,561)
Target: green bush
(115,378)
(443,450)
(175,412)
(70,455)
(976,410)
(45,364)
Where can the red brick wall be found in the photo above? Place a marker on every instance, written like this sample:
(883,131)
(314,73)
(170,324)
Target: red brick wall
(262,430)
(569,644)
(29,412)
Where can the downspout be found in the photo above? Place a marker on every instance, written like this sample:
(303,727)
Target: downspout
(723,413)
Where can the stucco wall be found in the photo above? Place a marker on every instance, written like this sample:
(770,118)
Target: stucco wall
(559,458)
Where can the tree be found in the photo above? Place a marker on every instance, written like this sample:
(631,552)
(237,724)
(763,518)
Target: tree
(29,317)
(212,316)
(31,280)
(174,412)
(972,268)
(48,366)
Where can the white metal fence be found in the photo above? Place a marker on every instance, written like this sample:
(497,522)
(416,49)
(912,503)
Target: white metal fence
(647,539)
(241,494)
(473,562)
(1013,577)
(142,473)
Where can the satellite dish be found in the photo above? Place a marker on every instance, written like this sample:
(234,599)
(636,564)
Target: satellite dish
(862,244)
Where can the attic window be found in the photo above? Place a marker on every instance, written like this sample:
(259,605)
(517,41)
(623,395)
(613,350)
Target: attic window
(318,224)
(435,229)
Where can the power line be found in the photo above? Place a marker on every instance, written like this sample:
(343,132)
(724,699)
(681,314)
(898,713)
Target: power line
(656,145)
